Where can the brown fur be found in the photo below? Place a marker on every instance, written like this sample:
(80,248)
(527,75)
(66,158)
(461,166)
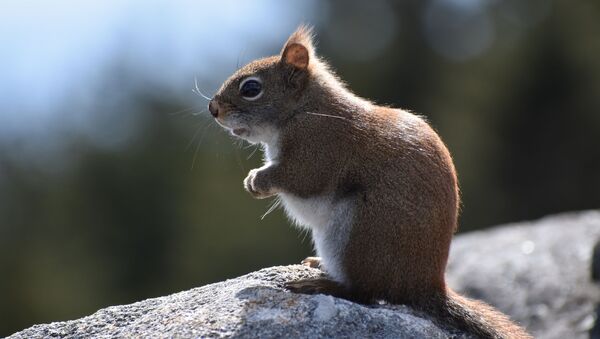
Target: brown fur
(389,163)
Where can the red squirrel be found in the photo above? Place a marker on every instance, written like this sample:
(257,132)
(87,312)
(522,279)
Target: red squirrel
(375,185)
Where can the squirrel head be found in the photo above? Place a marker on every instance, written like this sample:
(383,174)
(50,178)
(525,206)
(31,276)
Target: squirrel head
(258,98)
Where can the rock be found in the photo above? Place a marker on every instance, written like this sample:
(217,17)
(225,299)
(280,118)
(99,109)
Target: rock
(538,272)
(251,306)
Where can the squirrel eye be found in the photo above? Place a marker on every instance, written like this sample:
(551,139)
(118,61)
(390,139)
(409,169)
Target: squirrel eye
(251,88)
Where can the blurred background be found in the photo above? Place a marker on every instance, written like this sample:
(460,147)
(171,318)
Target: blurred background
(115,184)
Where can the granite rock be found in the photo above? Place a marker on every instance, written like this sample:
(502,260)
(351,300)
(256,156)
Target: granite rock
(538,272)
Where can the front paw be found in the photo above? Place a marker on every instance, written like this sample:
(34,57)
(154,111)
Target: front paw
(257,185)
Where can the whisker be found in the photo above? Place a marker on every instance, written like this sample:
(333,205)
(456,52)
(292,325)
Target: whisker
(195,156)
(305,235)
(251,154)
(182,111)
(238,159)
(200,94)
(326,115)
(273,206)
(198,91)
(239,143)
(193,138)
(199,144)
(201,127)
(239,57)
(198,113)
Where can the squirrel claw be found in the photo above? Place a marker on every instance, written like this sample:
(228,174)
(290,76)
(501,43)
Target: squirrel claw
(314,262)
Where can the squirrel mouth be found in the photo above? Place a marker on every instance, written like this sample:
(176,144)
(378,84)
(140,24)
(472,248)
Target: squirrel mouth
(239,131)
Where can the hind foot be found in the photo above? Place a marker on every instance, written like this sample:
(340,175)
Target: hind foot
(314,262)
(317,286)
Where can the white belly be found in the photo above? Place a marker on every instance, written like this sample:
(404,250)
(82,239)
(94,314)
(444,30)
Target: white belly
(330,223)
(313,213)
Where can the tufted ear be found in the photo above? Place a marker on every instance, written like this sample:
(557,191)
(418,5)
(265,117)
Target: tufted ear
(299,50)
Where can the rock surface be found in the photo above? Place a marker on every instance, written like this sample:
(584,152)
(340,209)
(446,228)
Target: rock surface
(538,272)
(251,306)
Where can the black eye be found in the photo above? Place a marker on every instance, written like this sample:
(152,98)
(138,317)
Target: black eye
(251,88)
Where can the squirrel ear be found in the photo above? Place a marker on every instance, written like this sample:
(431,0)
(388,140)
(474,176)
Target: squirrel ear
(295,55)
(298,50)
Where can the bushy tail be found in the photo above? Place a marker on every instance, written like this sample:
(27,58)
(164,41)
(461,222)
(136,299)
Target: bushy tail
(474,317)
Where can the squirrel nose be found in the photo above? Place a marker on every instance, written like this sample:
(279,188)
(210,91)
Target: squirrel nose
(213,107)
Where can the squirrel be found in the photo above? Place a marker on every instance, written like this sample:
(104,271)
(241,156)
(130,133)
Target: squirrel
(375,185)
